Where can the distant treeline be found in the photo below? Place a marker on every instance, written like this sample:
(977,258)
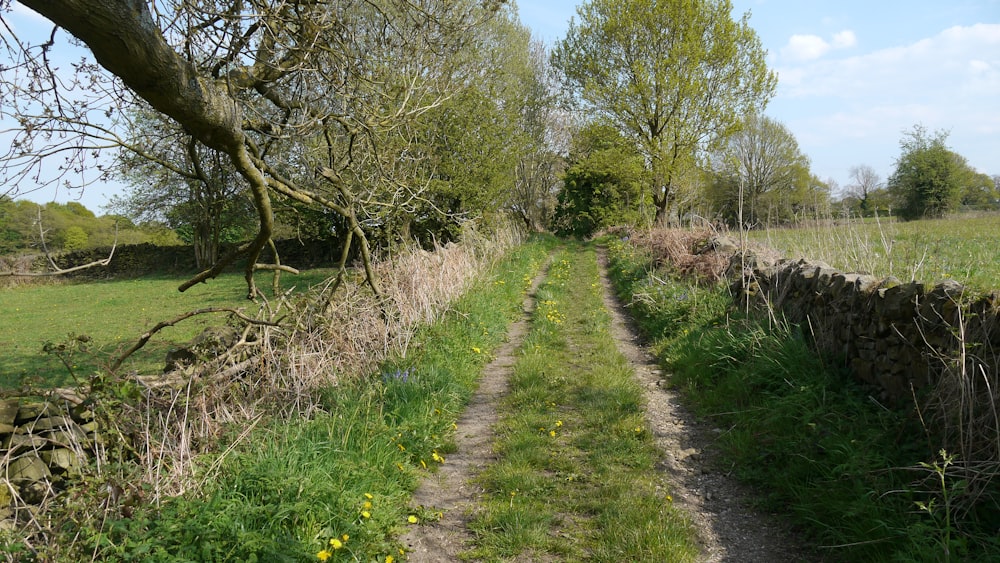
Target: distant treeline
(138,260)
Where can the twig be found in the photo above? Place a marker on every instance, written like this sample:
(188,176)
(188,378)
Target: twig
(164,324)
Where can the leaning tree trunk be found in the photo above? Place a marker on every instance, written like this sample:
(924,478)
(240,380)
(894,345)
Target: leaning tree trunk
(127,42)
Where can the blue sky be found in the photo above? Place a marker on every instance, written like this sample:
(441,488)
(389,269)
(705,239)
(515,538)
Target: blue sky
(853,75)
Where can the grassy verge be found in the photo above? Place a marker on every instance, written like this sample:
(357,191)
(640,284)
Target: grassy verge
(845,469)
(575,478)
(333,487)
(113,315)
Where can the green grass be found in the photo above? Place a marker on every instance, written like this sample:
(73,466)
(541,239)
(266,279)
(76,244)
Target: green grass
(962,248)
(576,476)
(799,428)
(113,314)
(292,487)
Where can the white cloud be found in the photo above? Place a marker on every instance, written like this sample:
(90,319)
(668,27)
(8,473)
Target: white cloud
(939,69)
(854,109)
(844,39)
(802,48)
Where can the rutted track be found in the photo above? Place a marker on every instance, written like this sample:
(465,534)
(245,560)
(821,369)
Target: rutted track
(727,528)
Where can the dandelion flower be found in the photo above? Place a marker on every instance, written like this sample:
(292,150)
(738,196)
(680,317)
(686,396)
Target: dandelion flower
(552,433)
(366,514)
(389,559)
(367,505)
(369,496)
(558,423)
(345,537)
(335,543)
(323,555)
(412,519)
(477,350)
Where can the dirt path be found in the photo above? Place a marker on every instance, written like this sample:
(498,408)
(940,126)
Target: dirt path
(728,529)
(450,490)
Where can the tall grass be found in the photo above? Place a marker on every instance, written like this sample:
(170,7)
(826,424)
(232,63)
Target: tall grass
(861,480)
(961,248)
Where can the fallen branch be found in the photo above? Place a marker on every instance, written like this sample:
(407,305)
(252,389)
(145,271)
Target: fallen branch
(56,270)
(164,324)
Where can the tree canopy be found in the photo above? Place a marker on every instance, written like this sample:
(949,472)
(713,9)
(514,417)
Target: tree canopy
(760,173)
(929,177)
(603,185)
(673,75)
(316,103)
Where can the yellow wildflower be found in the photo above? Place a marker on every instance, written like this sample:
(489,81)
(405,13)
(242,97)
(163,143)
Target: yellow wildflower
(412,519)
(335,543)
(323,555)
(389,559)
(476,350)
(369,496)
(552,433)
(558,423)
(366,514)
(345,537)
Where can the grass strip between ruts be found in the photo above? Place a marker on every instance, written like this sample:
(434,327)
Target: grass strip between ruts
(575,476)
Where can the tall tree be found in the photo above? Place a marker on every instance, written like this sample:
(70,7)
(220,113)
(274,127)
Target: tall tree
(545,131)
(308,101)
(928,178)
(673,75)
(178,181)
(760,172)
(864,183)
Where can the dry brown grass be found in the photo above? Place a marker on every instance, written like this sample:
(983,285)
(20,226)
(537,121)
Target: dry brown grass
(701,254)
(276,371)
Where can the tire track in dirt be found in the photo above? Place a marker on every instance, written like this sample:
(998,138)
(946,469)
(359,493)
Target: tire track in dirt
(450,490)
(728,528)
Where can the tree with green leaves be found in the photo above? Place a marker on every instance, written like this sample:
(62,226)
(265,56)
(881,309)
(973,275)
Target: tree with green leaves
(675,76)
(929,177)
(311,102)
(759,173)
(174,179)
(603,185)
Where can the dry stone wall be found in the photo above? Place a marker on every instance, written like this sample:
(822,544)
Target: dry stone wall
(900,337)
(45,442)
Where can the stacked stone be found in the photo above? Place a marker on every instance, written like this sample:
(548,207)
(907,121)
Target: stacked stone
(44,443)
(898,337)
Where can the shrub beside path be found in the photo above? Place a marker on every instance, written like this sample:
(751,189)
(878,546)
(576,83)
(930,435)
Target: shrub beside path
(725,526)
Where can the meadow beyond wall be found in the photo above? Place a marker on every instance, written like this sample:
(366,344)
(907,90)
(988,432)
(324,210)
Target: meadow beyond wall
(903,338)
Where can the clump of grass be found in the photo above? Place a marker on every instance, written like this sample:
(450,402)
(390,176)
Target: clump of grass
(800,429)
(575,476)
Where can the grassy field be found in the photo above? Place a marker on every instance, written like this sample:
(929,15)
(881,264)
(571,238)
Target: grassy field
(113,315)
(962,248)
